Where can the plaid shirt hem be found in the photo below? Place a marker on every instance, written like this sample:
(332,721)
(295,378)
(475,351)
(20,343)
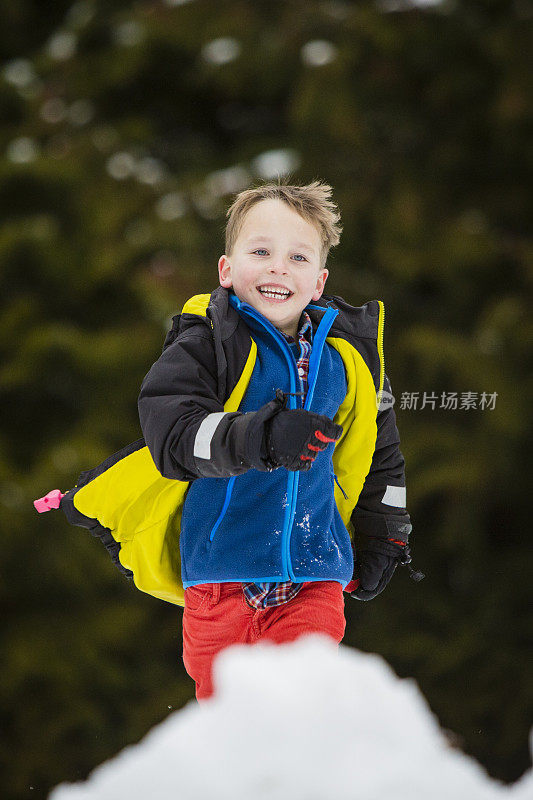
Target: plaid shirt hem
(264,595)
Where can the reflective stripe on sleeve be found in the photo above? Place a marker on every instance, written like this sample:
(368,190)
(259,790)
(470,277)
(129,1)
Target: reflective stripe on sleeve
(395,496)
(206,431)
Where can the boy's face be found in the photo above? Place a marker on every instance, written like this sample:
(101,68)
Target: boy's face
(276,249)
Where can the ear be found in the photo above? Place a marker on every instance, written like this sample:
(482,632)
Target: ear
(320,283)
(224,272)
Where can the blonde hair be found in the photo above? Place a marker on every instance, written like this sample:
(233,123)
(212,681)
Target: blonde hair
(312,202)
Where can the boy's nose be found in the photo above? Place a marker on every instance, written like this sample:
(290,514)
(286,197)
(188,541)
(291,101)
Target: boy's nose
(278,268)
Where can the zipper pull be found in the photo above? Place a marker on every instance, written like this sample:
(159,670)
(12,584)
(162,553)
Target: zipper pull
(405,561)
(340,487)
(282,396)
(415,574)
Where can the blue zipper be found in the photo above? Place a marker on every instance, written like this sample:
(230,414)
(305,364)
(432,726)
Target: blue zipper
(314,363)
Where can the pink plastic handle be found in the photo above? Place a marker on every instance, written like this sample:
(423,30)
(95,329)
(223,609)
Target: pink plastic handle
(49,501)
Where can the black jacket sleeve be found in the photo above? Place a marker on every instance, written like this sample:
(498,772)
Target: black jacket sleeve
(381,508)
(183,422)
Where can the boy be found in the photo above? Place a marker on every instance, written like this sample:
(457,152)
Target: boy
(267,398)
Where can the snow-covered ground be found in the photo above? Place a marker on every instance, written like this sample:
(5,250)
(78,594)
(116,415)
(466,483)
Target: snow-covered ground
(301,721)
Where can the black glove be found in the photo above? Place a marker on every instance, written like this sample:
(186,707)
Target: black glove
(290,438)
(376,561)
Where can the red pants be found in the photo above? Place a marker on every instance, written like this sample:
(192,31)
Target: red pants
(217,615)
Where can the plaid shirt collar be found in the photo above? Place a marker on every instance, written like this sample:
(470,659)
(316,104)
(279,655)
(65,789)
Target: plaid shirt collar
(306,327)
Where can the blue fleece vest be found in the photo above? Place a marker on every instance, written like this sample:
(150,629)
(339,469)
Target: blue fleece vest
(281,525)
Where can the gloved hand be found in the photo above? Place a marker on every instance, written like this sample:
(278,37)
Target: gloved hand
(376,562)
(290,438)
(295,437)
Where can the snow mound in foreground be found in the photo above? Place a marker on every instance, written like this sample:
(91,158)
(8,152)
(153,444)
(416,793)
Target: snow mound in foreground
(299,720)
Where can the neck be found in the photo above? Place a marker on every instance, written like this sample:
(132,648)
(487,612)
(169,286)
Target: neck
(292,332)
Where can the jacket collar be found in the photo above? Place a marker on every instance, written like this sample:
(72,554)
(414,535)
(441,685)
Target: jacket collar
(355,321)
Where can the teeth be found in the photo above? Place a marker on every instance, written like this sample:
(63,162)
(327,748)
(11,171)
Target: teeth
(276,294)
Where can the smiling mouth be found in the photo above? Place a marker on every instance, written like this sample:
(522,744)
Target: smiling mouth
(274,293)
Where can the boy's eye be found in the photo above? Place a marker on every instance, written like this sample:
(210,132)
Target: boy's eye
(262,249)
